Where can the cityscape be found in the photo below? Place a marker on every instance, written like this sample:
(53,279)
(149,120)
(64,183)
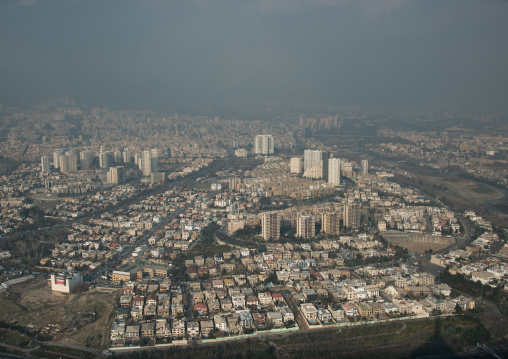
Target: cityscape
(264,179)
(125,231)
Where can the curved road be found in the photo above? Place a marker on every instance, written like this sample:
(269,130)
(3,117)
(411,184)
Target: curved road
(488,204)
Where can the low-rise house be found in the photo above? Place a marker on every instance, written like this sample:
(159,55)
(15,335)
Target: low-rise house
(162,329)
(338,313)
(178,329)
(148,330)
(238,300)
(265,298)
(350,309)
(364,309)
(245,320)
(309,311)
(483,276)
(441,289)
(118,331)
(220,323)
(403,306)
(132,332)
(324,315)
(163,312)
(206,327)
(233,325)
(137,313)
(390,308)
(275,319)
(436,304)
(150,310)
(193,329)
(126,301)
(226,304)
(287,314)
(201,308)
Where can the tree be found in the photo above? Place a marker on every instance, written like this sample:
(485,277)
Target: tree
(458,309)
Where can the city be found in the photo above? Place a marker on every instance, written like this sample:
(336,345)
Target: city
(265,179)
(126,231)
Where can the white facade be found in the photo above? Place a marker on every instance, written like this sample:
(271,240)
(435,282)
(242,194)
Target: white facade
(263,145)
(364,167)
(334,171)
(295,165)
(65,282)
(315,164)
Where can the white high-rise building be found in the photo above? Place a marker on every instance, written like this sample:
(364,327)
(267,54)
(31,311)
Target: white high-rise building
(270,223)
(56,157)
(315,164)
(364,167)
(45,164)
(263,145)
(334,171)
(306,227)
(147,163)
(150,162)
(295,165)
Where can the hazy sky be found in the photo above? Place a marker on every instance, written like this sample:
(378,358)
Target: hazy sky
(426,54)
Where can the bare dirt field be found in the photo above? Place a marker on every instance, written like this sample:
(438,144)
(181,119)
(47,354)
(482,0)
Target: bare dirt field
(82,319)
(418,243)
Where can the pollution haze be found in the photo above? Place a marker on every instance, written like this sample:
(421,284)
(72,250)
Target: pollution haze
(217,55)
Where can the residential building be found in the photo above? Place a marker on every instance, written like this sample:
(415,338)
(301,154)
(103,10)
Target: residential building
(306,227)
(270,223)
(263,145)
(334,171)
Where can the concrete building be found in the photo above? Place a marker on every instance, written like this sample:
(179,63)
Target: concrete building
(150,162)
(315,164)
(68,163)
(234,182)
(352,216)
(86,159)
(127,157)
(65,282)
(263,145)
(116,175)
(296,165)
(334,171)
(330,223)
(364,167)
(306,227)
(270,223)
(56,157)
(105,159)
(45,161)
(241,152)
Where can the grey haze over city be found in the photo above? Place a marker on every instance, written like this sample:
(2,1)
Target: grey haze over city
(220,54)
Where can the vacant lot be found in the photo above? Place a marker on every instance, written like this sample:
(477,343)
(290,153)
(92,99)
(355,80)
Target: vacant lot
(82,319)
(418,243)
